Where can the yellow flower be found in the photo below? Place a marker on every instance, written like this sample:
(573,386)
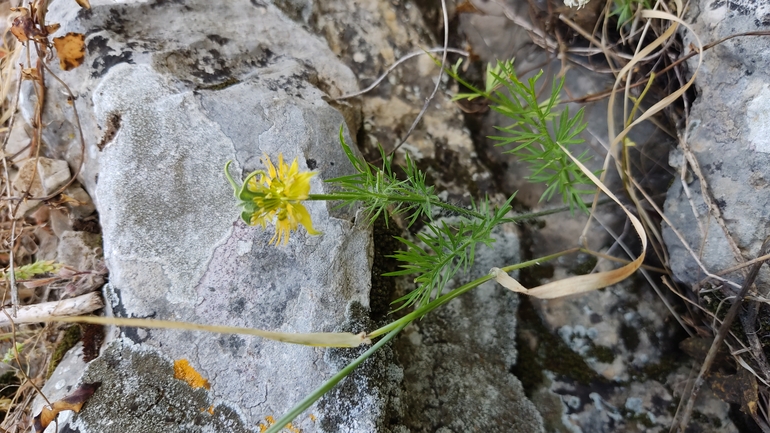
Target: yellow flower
(275,195)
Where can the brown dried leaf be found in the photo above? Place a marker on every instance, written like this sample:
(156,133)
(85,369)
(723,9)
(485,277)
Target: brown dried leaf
(466,7)
(750,395)
(29,74)
(73,402)
(40,11)
(52,28)
(23,26)
(71,49)
(85,4)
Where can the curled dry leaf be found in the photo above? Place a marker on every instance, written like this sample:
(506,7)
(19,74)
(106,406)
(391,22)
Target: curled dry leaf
(24,28)
(52,28)
(85,4)
(71,49)
(317,339)
(72,402)
(581,283)
(30,74)
(40,9)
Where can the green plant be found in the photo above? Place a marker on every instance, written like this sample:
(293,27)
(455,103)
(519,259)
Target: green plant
(10,354)
(626,9)
(28,271)
(540,134)
(446,246)
(443,248)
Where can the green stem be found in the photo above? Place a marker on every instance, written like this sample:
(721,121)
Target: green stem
(329,384)
(393,198)
(441,300)
(533,215)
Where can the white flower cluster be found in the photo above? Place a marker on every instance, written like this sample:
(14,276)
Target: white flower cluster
(575,3)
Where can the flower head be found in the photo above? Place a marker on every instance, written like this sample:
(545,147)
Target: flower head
(275,195)
(575,3)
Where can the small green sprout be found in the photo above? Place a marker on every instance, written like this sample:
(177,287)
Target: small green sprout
(26,272)
(10,354)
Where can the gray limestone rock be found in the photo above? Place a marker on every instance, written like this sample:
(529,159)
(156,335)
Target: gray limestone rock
(164,104)
(728,137)
(369,36)
(168,93)
(80,250)
(457,360)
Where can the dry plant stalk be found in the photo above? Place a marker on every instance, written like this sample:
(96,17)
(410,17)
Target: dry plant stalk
(581,283)
(45,311)
(721,334)
(317,339)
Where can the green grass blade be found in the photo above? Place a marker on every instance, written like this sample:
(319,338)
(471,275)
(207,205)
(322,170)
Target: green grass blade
(329,384)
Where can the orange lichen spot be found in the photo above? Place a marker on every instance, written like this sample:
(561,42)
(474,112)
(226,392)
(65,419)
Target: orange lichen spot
(184,371)
(71,49)
(312,417)
(211,410)
(270,421)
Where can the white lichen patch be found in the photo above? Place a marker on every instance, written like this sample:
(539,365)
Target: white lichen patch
(758,119)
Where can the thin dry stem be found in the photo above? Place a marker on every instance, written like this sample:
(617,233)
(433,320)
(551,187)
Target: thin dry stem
(42,312)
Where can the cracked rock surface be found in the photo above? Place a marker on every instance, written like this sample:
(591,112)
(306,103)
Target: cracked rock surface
(168,93)
(728,137)
(164,104)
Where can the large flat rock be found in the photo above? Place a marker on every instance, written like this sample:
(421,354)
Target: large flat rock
(728,137)
(164,103)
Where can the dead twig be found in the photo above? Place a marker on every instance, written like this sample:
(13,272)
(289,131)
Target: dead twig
(399,62)
(721,334)
(45,311)
(438,80)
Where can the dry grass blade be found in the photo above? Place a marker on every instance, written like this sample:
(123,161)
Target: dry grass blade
(582,283)
(396,64)
(318,339)
(663,103)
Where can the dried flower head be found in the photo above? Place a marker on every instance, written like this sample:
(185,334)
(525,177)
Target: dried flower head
(575,3)
(275,195)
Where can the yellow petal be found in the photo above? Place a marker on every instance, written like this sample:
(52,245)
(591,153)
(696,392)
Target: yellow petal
(302,216)
(294,169)
(299,189)
(282,167)
(270,166)
(282,231)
